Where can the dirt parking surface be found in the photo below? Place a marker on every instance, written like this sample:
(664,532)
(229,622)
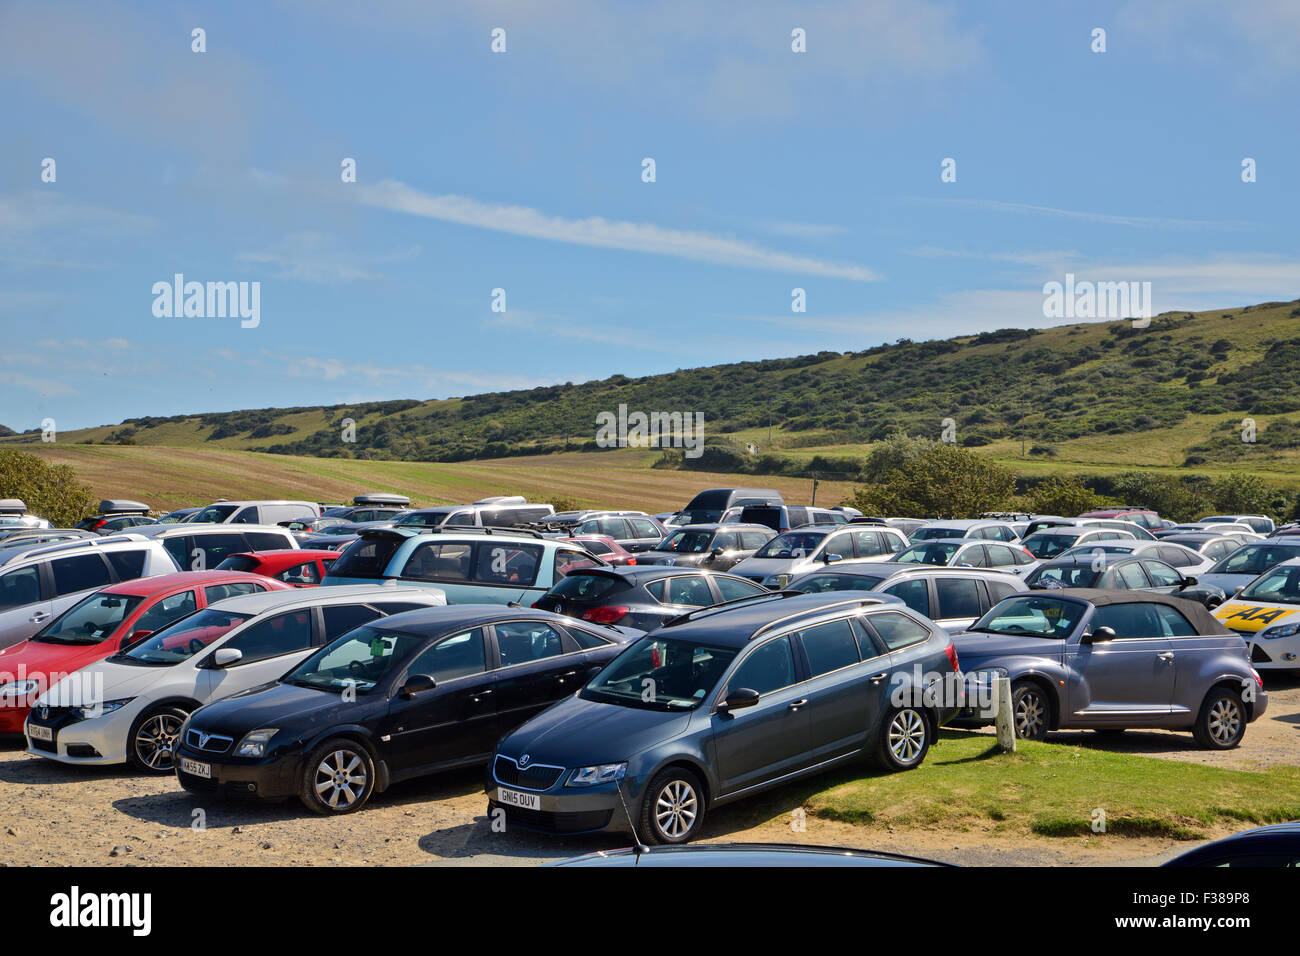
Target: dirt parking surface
(58,816)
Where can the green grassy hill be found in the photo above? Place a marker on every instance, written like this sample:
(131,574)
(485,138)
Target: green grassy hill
(1100,395)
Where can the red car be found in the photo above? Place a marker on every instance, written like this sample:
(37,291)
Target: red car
(105,623)
(298,567)
(603,546)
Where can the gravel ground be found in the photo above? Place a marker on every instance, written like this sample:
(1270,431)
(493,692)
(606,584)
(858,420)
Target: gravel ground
(58,816)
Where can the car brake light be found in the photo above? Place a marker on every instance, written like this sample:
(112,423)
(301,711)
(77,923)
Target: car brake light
(611,614)
(631,560)
(1258,680)
(951,651)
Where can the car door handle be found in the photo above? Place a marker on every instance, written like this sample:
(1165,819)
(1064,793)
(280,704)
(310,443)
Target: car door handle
(796,704)
(877,678)
(38,616)
(478,695)
(564,677)
(1166,655)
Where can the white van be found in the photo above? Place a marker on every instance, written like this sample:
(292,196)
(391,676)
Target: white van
(256,512)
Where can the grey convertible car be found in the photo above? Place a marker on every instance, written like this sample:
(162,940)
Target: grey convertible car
(1111,660)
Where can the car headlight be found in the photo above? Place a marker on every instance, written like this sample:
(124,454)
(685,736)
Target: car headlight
(1286,630)
(778,581)
(102,708)
(254,743)
(601,773)
(19,688)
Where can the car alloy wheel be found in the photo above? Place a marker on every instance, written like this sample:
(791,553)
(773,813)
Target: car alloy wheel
(1030,714)
(1224,721)
(341,779)
(155,741)
(676,808)
(907,736)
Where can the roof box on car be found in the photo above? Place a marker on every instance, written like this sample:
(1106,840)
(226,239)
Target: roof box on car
(13,506)
(379,498)
(122,506)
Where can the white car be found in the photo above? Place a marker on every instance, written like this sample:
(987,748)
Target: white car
(808,548)
(1179,557)
(130,707)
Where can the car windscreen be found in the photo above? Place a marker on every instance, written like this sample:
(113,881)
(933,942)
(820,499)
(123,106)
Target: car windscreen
(366,557)
(933,553)
(820,583)
(1064,576)
(686,542)
(932,532)
(89,621)
(1279,586)
(660,674)
(214,514)
(1047,546)
(1047,617)
(361,658)
(189,636)
(421,519)
(792,544)
(1255,559)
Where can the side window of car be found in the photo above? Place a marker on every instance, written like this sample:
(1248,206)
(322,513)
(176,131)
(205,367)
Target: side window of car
(267,541)
(1173,622)
(219,592)
(645,528)
(1000,556)
(1131,576)
(866,542)
(829,647)
(752,540)
(689,589)
(615,528)
(898,630)
(566,561)
(81,572)
(768,668)
(1128,620)
(341,618)
(915,594)
(457,656)
(179,549)
(214,549)
(727,541)
(586,640)
(304,573)
(282,634)
(246,516)
(169,609)
(1176,557)
(439,561)
(460,519)
(958,597)
(1162,575)
(128,563)
(733,589)
(998,590)
(841,544)
(515,564)
(975,556)
(519,642)
(20,587)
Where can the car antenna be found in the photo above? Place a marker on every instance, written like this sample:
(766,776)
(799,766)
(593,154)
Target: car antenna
(640,847)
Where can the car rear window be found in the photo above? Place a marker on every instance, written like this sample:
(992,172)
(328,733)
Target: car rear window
(238,562)
(365,558)
(587,587)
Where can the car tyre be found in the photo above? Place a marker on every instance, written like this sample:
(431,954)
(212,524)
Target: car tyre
(338,777)
(1030,710)
(672,810)
(151,744)
(1222,721)
(904,739)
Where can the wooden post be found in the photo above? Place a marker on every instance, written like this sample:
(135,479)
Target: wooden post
(1006,727)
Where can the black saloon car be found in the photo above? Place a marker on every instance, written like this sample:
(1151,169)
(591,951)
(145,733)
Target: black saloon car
(408,695)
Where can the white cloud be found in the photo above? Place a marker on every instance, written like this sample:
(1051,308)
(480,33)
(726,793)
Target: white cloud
(600,232)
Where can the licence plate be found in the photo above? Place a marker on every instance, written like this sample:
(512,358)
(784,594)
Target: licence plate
(37,732)
(513,798)
(196,768)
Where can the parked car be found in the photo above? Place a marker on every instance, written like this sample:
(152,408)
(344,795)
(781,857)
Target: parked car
(977,528)
(781,518)
(130,707)
(967,553)
(43,582)
(951,597)
(1052,542)
(1264,613)
(1144,516)
(198,547)
(644,596)
(1274,845)
(1248,562)
(431,690)
(22,540)
(1186,561)
(720,705)
(296,567)
(633,532)
(1211,527)
(117,514)
(1121,572)
(777,562)
(715,546)
(104,623)
(744,854)
(708,506)
(510,512)
(470,565)
(257,512)
(13,513)
(179,515)
(1260,524)
(1213,547)
(605,548)
(1113,660)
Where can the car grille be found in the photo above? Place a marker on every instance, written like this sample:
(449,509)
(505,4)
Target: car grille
(215,743)
(532,777)
(1257,655)
(558,822)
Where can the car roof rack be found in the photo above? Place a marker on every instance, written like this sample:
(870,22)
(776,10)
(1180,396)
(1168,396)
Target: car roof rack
(755,598)
(84,542)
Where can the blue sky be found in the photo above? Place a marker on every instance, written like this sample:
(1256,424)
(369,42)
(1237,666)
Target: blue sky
(521,170)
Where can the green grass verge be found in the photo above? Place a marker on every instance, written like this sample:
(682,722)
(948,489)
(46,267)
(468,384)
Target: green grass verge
(1054,789)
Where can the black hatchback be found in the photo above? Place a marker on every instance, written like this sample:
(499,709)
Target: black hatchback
(642,596)
(408,695)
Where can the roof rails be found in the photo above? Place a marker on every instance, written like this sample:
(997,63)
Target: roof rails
(756,598)
(85,542)
(461,529)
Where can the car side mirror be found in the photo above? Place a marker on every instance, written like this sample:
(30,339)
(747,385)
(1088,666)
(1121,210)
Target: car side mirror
(739,699)
(416,684)
(716,553)
(226,656)
(828,558)
(1101,635)
(1189,580)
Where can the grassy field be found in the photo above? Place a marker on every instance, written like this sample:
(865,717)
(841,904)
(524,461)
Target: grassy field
(1053,790)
